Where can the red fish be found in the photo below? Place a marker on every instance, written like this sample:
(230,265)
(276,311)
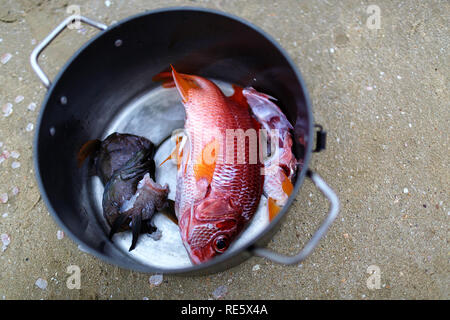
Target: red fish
(216,193)
(220,182)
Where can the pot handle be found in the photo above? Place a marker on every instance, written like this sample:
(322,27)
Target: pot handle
(312,243)
(48,39)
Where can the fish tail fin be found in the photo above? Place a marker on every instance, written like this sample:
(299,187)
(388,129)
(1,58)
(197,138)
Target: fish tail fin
(166,78)
(172,79)
(86,150)
(184,84)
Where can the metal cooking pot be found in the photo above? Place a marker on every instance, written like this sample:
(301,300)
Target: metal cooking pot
(107,85)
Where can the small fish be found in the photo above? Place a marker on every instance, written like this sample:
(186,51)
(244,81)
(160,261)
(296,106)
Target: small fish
(132,196)
(113,152)
(125,165)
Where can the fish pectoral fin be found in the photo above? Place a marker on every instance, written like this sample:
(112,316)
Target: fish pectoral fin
(136,166)
(206,162)
(273,208)
(204,171)
(277,188)
(130,174)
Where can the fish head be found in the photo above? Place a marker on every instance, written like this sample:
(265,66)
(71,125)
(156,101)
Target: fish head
(209,228)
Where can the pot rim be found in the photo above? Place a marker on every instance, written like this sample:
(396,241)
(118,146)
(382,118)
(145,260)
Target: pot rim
(140,267)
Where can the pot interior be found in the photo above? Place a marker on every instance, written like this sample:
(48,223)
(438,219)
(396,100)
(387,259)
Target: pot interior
(107,86)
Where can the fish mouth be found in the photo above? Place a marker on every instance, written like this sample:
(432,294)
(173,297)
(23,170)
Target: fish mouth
(201,255)
(196,258)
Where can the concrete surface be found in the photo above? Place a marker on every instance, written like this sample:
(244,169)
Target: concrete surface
(383,96)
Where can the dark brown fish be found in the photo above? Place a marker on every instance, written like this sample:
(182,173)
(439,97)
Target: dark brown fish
(116,150)
(131,197)
(125,165)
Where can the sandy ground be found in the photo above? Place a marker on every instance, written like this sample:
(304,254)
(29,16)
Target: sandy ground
(383,96)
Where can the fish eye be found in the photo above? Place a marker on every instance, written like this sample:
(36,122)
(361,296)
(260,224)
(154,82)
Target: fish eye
(220,244)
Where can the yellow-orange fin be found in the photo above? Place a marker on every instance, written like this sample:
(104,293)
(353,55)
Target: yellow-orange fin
(206,163)
(169,84)
(168,158)
(166,78)
(184,83)
(163,76)
(176,153)
(274,209)
(287,185)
